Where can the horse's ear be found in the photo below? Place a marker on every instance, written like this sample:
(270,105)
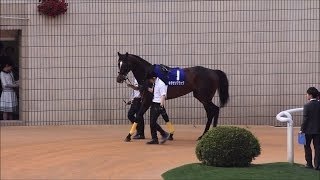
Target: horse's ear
(119,54)
(127,53)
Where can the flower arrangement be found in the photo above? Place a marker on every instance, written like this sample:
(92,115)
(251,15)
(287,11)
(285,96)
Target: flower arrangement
(52,8)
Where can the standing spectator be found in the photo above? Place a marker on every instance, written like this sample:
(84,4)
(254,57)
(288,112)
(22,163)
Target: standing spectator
(311,127)
(8,100)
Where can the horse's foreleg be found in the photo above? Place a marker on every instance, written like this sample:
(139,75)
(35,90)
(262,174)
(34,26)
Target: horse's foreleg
(131,132)
(138,120)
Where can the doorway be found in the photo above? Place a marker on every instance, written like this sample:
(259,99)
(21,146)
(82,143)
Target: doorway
(10,50)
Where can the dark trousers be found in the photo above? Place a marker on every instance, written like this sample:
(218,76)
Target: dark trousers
(155,111)
(134,109)
(315,138)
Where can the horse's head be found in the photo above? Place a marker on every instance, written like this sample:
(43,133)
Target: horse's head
(124,66)
(130,62)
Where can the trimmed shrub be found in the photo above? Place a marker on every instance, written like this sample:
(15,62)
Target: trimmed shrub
(227,146)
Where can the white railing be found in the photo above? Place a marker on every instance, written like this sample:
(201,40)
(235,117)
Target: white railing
(15,18)
(285,116)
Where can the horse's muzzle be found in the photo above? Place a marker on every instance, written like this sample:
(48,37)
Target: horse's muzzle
(121,78)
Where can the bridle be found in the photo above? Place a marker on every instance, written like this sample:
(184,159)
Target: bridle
(124,77)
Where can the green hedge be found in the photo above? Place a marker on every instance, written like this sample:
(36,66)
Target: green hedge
(227,146)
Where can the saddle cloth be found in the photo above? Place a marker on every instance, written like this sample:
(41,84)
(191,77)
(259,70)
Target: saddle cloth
(170,76)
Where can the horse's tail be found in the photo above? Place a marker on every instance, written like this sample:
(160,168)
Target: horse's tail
(223,88)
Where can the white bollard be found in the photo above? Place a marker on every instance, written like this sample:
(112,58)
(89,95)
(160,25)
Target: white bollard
(288,119)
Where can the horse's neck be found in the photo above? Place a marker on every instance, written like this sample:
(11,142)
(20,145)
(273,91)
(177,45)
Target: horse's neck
(139,76)
(140,70)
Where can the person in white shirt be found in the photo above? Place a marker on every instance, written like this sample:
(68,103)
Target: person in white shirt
(8,99)
(135,103)
(157,109)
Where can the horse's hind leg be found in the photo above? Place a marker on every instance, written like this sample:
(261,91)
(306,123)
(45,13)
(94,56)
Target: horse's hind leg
(210,108)
(212,113)
(216,111)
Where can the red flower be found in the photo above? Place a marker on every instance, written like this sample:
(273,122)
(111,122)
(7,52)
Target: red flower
(52,7)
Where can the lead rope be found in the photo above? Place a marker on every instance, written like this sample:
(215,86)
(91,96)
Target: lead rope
(126,83)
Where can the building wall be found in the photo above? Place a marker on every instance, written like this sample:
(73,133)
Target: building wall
(268,49)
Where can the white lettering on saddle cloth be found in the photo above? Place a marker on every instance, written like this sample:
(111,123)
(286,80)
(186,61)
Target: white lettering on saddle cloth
(177,82)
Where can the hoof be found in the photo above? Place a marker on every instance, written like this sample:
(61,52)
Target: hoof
(170,137)
(199,138)
(165,137)
(128,138)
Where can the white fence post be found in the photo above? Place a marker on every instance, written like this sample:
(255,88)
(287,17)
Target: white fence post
(285,116)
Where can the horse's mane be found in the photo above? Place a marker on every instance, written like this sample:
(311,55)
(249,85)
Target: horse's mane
(136,56)
(140,58)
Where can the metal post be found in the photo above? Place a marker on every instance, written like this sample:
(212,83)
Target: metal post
(290,151)
(285,116)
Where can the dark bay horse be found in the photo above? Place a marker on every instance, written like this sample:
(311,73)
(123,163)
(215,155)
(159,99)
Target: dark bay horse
(201,81)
